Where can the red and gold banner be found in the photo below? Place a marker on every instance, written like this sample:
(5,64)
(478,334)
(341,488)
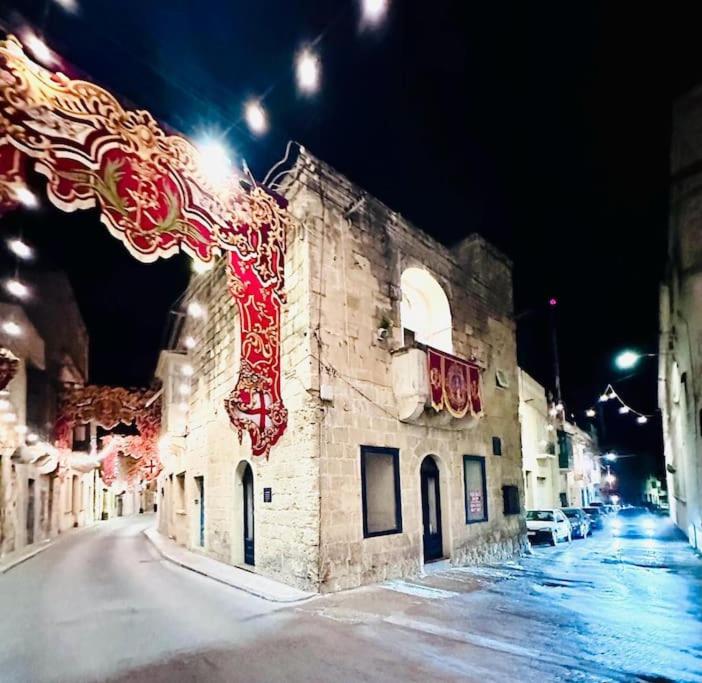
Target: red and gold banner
(454,384)
(155,196)
(108,407)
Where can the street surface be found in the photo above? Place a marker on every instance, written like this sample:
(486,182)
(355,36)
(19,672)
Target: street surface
(102,605)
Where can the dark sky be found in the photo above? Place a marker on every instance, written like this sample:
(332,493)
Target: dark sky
(543,126)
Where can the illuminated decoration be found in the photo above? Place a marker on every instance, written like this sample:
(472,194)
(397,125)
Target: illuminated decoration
(26,197)
(39,48)
(454,384)
(11,328)
(108,407)
(256,118)
(374,11)
(307,71)
(9,363)
(590,412)
(16,246)
(68,5)
(195,310)
(610,394)
(156,194)
(17,288)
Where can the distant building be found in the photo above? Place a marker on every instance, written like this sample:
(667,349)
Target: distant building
(560,460)
(680,343)
(539,447)
(370,481)
(38,498)
(654,493)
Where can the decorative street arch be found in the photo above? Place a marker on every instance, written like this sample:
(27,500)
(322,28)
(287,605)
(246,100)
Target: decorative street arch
(153,196)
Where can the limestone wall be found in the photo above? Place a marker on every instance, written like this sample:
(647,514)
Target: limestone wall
(356,260)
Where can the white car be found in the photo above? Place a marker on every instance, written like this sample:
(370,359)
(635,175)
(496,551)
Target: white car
(548,525)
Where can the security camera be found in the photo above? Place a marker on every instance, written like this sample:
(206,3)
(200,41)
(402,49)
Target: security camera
(381,333)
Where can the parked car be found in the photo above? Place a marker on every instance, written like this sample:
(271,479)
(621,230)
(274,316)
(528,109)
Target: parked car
(596,517)
(579,522)
(638,521)
(548,525)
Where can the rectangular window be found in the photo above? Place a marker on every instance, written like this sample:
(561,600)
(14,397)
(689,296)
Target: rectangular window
(496,445)
(475,489)
(380,491)
(565,450)
(510,495)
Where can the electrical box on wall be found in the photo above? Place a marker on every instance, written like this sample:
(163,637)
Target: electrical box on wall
(326,392)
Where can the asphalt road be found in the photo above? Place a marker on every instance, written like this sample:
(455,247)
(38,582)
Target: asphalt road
(102,605)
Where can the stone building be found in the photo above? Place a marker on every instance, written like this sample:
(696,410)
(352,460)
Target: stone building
(560,460)
(680,340)
(539,448)
(37,499)
(370,481)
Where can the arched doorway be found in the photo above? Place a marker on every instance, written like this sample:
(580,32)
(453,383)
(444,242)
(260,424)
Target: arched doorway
(431,510)
(248,499)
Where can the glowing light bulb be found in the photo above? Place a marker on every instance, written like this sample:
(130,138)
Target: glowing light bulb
(183,406)
(374,11)
(307,71)
(553,412)
(8,417)
(190,342)
(20,249)
(32,437)
(12,328)
(201,267)
(17,288)
(187,371)
(70,6)
(184,389)
(603,398)
(610,456)
(38,48)
(549,428)
(256,118)
(642,419)
(195,310)
(623,410)
(590,412)
(26,197)
(215,162)
(5,405)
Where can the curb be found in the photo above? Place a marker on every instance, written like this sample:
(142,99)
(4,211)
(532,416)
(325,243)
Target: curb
(149,533)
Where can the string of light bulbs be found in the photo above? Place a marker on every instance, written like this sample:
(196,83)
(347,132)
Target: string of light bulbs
(610,394)
(307,67)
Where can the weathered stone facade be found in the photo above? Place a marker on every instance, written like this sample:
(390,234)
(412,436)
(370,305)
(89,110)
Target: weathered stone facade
(680,342)
(36,501)
(343,340)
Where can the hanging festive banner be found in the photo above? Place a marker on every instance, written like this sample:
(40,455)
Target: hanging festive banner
(108,407)
(454,384)
(155,195)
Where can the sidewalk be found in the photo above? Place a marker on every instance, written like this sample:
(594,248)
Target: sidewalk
(249,582)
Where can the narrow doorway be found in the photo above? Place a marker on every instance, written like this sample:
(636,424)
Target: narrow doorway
(247,481)
(200,484)
(431,510)
(30,511)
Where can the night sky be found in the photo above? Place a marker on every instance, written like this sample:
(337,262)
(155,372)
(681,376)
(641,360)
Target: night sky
(543,126)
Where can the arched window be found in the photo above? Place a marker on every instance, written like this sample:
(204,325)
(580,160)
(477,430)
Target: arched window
(425,310)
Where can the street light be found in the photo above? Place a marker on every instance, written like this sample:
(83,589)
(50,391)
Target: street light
(610,456)
(627,359)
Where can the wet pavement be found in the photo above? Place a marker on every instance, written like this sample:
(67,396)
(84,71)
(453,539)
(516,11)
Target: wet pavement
(102,605)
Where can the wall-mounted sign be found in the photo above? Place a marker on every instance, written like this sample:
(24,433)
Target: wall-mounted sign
(267,495)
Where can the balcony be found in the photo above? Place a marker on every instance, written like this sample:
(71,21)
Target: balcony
(413,395)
